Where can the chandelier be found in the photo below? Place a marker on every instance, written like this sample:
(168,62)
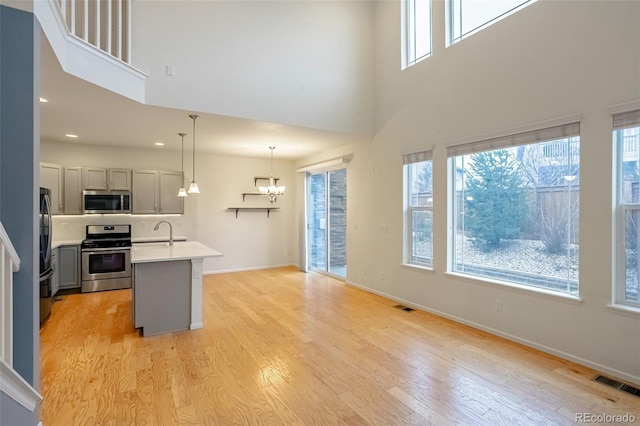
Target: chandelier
(271,192)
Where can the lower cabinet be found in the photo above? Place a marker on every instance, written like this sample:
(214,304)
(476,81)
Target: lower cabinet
(68,266)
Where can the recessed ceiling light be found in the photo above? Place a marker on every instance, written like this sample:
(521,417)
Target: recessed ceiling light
(71,135)
(158,143)
(43,100)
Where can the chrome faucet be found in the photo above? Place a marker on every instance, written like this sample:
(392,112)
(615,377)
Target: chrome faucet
(155,228)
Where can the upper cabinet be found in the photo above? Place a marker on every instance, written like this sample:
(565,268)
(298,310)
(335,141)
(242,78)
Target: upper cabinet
(51,176)
(156,192)
(100,178)
(73,190)
(152,191)
(145,192)
(170,183)
(119,179)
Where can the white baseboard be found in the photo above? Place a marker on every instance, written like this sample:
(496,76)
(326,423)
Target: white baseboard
(252,268)
(561,354)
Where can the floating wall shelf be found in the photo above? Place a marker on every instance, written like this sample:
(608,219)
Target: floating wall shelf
(257,178)
(268,209)
(244,194)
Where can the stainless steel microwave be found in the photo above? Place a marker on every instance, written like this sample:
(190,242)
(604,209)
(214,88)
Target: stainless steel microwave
(106,202)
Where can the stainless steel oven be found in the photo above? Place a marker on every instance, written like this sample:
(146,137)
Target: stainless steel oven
(106,258)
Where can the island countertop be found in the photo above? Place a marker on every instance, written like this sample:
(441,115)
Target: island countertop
(163,252)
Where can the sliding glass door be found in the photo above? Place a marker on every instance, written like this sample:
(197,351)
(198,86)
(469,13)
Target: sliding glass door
(327,222)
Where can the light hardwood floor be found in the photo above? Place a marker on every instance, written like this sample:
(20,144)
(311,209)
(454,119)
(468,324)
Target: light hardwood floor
(281,347)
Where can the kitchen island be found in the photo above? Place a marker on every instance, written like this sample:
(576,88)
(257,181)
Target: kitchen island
(167,285)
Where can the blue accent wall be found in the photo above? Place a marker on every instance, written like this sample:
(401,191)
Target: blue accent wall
(19,146)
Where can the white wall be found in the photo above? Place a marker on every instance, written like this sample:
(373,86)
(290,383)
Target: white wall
(251,241)
(306,63)
(549,60)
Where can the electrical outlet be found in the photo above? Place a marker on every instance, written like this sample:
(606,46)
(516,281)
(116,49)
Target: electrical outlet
(382,276)
(499,305)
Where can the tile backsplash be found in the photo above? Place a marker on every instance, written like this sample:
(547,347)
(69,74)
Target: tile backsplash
(71,228)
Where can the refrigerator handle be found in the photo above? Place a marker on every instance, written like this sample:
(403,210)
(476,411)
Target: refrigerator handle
(47,215)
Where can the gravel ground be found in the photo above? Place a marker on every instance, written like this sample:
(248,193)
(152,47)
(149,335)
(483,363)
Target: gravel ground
(519,255)
(524,256)
(528,256)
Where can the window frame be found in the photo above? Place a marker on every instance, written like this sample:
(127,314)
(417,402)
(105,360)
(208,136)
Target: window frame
(409,33)
(408,235)
(622,121)
(562,128)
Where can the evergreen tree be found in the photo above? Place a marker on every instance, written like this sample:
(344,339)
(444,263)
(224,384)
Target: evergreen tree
(496,203)
(424,180)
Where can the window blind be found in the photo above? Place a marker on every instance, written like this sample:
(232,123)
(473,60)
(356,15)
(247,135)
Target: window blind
(416,157)
(524,138)
(626,119)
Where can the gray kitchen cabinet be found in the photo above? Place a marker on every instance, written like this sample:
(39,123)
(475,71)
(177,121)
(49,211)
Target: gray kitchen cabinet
(156,192)
(73,190)
(51,176)
(69,266)
(102,179)
(144,192)
(119,179)
(170,183)
(94,178)
(55,278)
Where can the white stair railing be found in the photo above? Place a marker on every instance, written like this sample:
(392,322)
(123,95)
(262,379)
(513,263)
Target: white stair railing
(12,384)
(9,263)
(105,24)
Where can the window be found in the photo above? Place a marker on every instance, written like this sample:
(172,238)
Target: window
(515,208)
(465,17)
(626,134)
(418,178)
(416,31)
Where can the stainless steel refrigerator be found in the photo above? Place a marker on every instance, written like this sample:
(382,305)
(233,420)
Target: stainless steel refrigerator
(46,268)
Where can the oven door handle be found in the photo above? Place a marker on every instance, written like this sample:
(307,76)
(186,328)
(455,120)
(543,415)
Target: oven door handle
(98,250)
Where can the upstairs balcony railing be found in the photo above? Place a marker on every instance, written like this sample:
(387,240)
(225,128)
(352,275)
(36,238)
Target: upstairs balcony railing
(105,24)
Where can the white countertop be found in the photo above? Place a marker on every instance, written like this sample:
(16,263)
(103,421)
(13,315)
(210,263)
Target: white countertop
(162,252)
(58,243)
(156,239)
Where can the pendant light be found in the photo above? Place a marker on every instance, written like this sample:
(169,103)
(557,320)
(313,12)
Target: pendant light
(193,188)
(182,192)
(271,192)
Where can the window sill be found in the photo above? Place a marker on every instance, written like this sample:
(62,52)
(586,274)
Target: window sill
(418,267)
(624,309)
(576,300)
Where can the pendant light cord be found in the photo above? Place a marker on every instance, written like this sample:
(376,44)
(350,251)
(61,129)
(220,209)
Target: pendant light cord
(272,148)
(182,135)
(194,145)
